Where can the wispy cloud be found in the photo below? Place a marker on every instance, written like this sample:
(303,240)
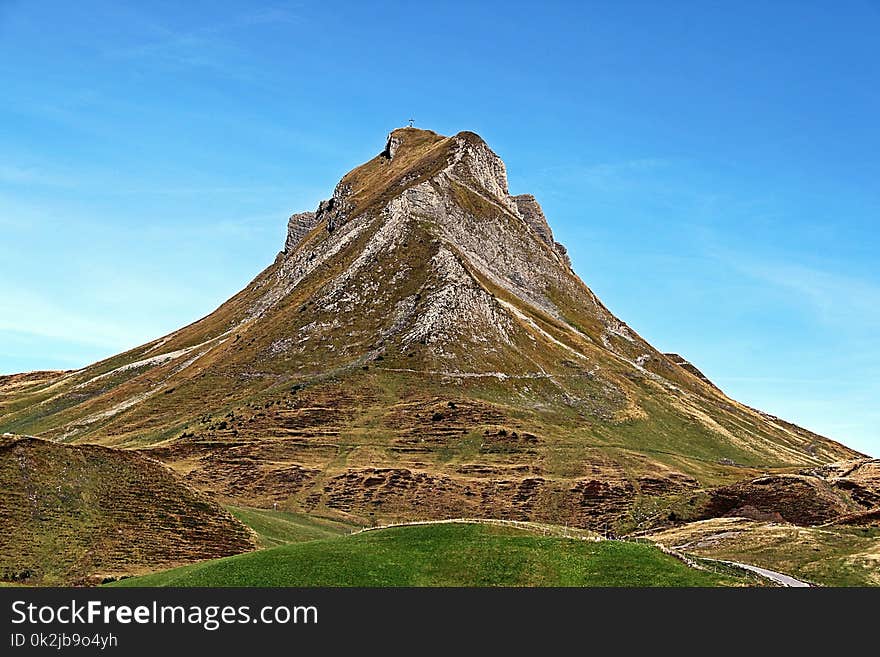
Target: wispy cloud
(276,15)
(26,312)
(211,46)
(774,379)
(609,176)
(29,175)
(651,183)
(197,190)
(834,297)
(615,176)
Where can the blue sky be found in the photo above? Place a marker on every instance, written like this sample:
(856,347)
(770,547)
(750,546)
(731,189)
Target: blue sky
(712,167)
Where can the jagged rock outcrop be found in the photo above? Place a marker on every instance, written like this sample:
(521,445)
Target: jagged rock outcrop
(685,364)
(334,211)
(298,226)
(391,146)
(533,214)
(531,211)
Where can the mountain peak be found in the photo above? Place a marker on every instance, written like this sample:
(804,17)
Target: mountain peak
(407,137)
(411,157)
(421,348)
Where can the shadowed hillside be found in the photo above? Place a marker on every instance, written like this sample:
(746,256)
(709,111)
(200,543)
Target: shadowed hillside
(77,514)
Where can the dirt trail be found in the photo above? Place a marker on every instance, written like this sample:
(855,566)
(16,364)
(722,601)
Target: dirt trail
(779,578)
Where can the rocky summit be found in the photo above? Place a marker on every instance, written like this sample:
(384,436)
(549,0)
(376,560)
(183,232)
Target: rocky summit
(421,348)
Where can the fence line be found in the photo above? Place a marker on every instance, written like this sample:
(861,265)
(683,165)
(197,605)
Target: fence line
(546,530)
(705,564)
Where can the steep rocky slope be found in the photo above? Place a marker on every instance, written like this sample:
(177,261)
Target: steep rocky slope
(421,347)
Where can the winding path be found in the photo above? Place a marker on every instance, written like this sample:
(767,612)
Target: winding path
(780,578)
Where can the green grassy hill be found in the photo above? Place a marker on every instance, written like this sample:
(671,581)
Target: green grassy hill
(453,554)
(276,528)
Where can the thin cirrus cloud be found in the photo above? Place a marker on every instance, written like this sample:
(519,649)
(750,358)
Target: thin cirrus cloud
(617,176)
(26,312)
(647,184)
(612,176)
(211,47)
(834,298)
(34,176)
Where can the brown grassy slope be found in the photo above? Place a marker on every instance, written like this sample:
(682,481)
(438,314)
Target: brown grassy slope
(76,514)
(829,556)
